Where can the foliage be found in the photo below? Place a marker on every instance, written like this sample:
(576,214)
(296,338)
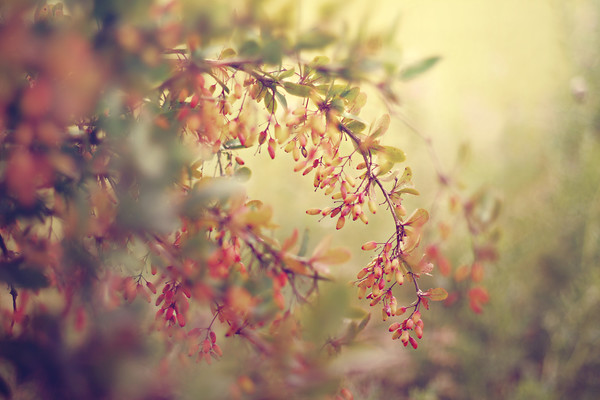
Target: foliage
(124,131)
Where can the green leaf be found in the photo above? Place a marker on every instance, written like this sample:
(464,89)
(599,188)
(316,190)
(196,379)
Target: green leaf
(337,105)
(270,102)
(436,294)
(385,167)
(286,73)
(408,190)
(393,154)
(336,90)
(319,61)
(356,126)
(406,178)
(416,69)
(350,94)
(261,91)
(281,98)
(297,90)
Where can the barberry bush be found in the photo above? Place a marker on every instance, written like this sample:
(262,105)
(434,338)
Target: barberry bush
(125,229)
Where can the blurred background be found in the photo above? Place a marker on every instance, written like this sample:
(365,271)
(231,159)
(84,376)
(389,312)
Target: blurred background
(516,95)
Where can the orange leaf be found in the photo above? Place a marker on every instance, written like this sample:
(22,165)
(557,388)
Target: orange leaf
(437,294)
(321,247)
(289,242)
(294,264)
(337,255)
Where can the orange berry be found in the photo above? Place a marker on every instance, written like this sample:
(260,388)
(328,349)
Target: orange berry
(217,349)
(405,337)
(181,319)
(362,290)
(394,326)
(369,245)
(206,345)
(262,137)
(151,287)
(376,298)
(372,206)
(419,331)
(399,277)
(413,342)
(363,218)
(186,291)
(271,148)
(377,271)
(393,305)
(416,317)
(340,223)
(362,273)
